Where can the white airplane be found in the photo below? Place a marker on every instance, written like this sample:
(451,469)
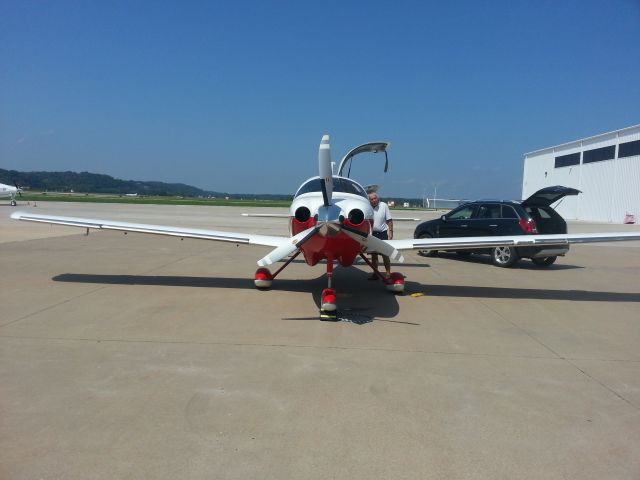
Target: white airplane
(10,191)
(330,219)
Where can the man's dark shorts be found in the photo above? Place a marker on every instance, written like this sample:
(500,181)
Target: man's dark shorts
(381,235)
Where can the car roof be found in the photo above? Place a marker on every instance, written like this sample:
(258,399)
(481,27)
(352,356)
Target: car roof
(494,200)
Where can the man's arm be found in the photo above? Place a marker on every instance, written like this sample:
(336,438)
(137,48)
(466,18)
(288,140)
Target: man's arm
(390,230)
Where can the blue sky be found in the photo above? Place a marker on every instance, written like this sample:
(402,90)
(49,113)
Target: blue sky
(235,96)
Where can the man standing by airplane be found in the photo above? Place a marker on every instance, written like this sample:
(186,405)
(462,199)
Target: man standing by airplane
(382,229)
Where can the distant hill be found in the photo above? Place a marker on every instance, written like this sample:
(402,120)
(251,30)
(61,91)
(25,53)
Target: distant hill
(85,182)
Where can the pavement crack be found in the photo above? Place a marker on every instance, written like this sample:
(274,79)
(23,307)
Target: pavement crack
(102,287)
(49,307)
(565,359)
(603,385)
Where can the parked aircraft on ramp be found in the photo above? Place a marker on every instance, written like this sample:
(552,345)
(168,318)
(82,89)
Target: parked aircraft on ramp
(10,191)
(331,219)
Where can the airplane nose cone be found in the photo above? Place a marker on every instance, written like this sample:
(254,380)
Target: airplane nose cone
(328,219)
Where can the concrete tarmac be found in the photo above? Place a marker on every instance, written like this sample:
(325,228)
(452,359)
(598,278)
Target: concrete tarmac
(137,356)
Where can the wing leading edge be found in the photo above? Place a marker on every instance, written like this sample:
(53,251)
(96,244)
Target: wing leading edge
(97,224)
(286,215)
(513,241)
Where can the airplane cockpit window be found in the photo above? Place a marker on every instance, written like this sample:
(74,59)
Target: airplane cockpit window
(340,184)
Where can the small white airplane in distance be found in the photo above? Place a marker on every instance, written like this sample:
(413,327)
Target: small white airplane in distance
(331,219)
(11,192)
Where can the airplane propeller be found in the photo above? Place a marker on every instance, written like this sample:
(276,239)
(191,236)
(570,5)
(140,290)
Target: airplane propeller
(374,244)
(325,171)
(288,248)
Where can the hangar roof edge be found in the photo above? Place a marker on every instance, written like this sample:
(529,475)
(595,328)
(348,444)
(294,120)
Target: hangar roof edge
(566,144)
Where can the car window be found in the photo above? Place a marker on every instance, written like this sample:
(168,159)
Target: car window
(536,212)
(509,212)
(488,210)
(461,214)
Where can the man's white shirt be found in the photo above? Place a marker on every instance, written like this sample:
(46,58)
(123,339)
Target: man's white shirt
(381,214)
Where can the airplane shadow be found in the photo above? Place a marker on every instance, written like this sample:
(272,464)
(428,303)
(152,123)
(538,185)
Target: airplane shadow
(360,301)
(468,291)
(354,292)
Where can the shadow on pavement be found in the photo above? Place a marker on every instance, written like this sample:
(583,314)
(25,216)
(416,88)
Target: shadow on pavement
(355,294)
(523,293)
(523,263)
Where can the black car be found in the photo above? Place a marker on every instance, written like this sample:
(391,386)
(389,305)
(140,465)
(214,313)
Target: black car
(504,217)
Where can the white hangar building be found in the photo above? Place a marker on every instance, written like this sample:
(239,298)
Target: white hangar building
(606,168)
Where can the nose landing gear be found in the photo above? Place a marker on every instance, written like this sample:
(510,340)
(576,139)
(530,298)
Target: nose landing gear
(328,298)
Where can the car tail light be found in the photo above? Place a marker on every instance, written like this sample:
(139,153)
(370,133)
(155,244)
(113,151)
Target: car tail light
(528,226)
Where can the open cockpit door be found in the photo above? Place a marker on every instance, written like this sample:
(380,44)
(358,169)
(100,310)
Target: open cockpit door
(373,147)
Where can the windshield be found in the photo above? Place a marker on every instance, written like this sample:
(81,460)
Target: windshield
(340,184)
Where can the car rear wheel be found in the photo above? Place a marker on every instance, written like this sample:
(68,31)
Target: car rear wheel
(544,261)
(504,256)
(426,253)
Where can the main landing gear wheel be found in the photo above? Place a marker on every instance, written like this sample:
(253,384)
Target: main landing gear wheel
(395,282)
(263,278)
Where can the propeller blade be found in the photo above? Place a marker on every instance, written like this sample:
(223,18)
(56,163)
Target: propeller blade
(376,245)
(288,248)
(353,230)
(325,171)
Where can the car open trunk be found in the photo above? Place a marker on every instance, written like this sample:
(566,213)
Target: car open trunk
(539,204)
(548,195)
(548,221)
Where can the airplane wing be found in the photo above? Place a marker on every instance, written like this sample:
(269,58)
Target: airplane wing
(182,232)
(271,215)
(457,243)
(286,215)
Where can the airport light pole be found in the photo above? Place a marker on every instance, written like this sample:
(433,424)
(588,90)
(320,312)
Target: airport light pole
(435,192)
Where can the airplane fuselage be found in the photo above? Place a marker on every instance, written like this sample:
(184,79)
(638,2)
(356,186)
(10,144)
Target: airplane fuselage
(9,191)
(350,208)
